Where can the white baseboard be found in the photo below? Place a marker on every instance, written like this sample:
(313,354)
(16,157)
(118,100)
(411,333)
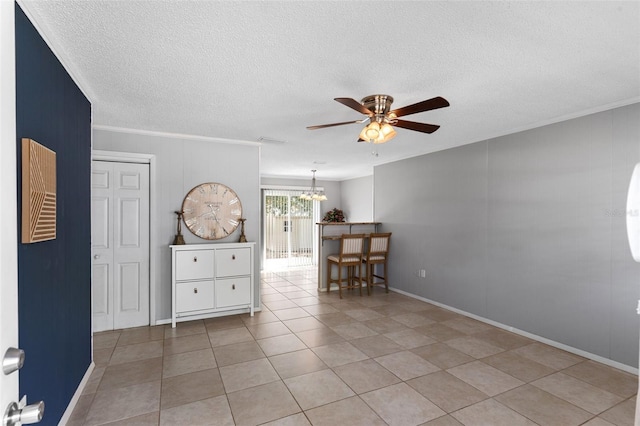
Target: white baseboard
(76,396)
(206,316)
(540,339)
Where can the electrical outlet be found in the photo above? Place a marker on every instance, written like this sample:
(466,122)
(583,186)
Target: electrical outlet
(423,273)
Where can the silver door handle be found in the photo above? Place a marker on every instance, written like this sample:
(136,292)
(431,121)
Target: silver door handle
(13,360)
(16,416)
(96,256)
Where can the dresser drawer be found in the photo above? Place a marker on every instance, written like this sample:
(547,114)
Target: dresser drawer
(194,296)
(194,264)
(233,262)
(233,292)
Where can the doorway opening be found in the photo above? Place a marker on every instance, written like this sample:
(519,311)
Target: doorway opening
(290,236)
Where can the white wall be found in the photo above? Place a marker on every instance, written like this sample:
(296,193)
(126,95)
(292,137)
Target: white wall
(527,230)
(181,165)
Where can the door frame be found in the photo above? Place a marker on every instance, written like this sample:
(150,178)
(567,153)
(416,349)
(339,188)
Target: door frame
(150,159)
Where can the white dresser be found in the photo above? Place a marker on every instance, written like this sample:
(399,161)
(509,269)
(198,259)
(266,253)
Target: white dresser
(209,280)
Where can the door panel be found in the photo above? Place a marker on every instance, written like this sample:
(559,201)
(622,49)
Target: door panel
(120,240)
(9,210)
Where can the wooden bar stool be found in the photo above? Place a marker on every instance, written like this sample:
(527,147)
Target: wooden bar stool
(377,255)
(350,256)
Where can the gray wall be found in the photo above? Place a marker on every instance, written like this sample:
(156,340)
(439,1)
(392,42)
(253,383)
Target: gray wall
(357,199)
(181,165)
(527,230)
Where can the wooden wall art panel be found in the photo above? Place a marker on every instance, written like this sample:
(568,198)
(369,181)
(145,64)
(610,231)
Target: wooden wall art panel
(38,192)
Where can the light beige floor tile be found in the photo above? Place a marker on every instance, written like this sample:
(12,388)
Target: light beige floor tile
(385,325)
(102,357)
(318,388)
(447,391)
(260,317)
(299,294)
(474,347)
(390,309)
(441,355)
(277,305)
(281,344)
(354,330)
(363,314)
(365,376)
(549,356)
(291,313)
(409,338)
(622,414)
(439,332)
(413,305)
(608,378)
(518,366)
(412,320)
(149,419)
(351,411)
(467,325)
(443,421)
(320,309)
(136,352)
(542,407)
(247,374)
(186,388)
(319,337)
(406,365)
(199,413)
(122,403)
(304,324)
(81,410)
(94,380)
(230,336)
(335,319)
(337,354)
(106,340)
(141,335)
(597,421)
(193,342)
(375,346)
(223,323)
(485,378)
(296,363)
(262,404)
(270,329)
(401,405)
(293,420)
(503,339)
(185,328)
(577,392)
(238,352)
(440,314)
(273,297)
(189,362)
(131,373)
(491,412)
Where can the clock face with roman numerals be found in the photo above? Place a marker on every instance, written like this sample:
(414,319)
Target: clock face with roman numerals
(212,211)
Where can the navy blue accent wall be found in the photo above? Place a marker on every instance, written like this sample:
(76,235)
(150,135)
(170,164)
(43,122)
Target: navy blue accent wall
(54,277)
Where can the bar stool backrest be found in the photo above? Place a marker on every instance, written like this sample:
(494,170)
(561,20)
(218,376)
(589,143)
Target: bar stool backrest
(379,244)
(351,245)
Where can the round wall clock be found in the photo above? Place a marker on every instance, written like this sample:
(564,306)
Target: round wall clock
(212,210)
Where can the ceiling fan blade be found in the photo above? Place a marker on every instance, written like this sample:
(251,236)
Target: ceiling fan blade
(429,104)
(322,126)
(353,104)
(418,127)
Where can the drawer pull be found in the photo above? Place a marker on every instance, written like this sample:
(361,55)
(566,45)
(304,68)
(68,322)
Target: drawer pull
(195,259)
(233,287)
(233,257)
(195,290)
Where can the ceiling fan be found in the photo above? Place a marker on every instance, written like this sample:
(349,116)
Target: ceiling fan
(381,120)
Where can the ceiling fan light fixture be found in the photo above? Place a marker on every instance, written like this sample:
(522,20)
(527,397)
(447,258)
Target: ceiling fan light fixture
(376,133)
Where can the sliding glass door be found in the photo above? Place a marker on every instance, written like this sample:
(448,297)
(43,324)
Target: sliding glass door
(289,229)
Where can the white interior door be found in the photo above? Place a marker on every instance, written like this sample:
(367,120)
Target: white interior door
(9,210)
(120,244)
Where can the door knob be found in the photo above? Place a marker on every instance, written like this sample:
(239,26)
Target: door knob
(97,256)
(16,416)
(13,360)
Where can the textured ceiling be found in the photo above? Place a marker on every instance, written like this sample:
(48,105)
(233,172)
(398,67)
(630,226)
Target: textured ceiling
(252,69)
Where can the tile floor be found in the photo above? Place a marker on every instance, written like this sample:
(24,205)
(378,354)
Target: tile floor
(311,358)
